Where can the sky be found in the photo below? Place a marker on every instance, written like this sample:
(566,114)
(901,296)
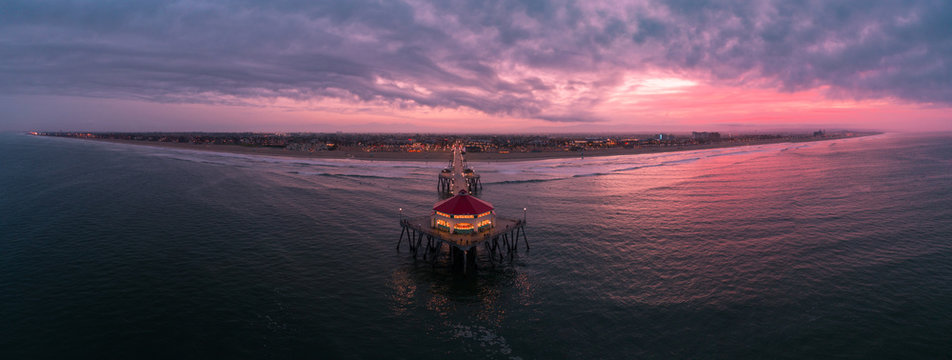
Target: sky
(475,66)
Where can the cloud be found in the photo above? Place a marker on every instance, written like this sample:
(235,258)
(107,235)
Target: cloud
(548,60)
(859,50)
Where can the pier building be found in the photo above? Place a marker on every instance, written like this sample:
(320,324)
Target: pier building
(463,214)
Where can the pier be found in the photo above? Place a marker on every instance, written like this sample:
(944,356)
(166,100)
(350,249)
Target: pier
(457,176)
(463,223)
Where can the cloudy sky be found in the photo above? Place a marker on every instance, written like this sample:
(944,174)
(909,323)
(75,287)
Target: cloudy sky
(475,66)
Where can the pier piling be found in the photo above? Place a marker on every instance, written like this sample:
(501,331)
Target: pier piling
(499,241)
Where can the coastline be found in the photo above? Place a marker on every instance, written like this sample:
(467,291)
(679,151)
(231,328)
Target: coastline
(354,154)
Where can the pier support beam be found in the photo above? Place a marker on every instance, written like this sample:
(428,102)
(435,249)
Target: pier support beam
(402,231)
(462,250)
(524,238)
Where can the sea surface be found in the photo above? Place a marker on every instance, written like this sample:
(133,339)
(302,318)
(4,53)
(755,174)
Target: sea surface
(831,249)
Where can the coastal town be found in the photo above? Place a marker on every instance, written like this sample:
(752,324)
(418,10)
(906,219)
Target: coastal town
(317,143)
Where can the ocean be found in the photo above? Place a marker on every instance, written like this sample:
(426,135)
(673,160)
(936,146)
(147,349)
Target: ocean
(830,249)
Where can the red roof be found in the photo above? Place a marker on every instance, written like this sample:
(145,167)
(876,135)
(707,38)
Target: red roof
(463,205)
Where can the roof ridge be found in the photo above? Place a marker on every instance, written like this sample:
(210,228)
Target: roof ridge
(463,205)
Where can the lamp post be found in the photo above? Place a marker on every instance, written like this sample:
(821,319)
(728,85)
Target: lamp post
(523,215)
(401,214)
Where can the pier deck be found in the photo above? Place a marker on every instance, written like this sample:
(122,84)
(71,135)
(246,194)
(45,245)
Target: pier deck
(463,241)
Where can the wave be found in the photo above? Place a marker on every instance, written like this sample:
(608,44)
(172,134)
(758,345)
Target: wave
(637,167)
(737,153)
(589,175)
(357,176)
(523,181)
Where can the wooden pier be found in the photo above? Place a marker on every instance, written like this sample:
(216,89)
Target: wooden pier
(463,222)
(499,242)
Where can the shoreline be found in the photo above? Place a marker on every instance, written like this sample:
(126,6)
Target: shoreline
(349,154)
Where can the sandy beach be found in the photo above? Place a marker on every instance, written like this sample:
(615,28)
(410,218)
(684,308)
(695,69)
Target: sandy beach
(347,153)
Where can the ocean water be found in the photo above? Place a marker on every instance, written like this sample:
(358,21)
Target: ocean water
(833,249)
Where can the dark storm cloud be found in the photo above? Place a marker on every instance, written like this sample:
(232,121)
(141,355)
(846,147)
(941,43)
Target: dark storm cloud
(514,58)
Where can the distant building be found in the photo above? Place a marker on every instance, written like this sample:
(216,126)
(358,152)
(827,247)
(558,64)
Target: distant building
(664,137)
(629,143)
(819,133)
(705,136)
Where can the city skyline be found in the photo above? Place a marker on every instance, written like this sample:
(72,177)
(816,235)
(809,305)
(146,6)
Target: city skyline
(457,67)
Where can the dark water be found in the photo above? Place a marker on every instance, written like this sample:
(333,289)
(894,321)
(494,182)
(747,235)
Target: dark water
(837,249)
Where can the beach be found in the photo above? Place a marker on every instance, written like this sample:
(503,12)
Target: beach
(360,154)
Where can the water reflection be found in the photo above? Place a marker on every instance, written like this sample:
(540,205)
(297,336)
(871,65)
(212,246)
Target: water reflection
(468,311)
(487,296)
(402,292)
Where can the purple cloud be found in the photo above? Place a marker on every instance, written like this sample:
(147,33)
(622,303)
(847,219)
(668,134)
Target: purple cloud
(503,58)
